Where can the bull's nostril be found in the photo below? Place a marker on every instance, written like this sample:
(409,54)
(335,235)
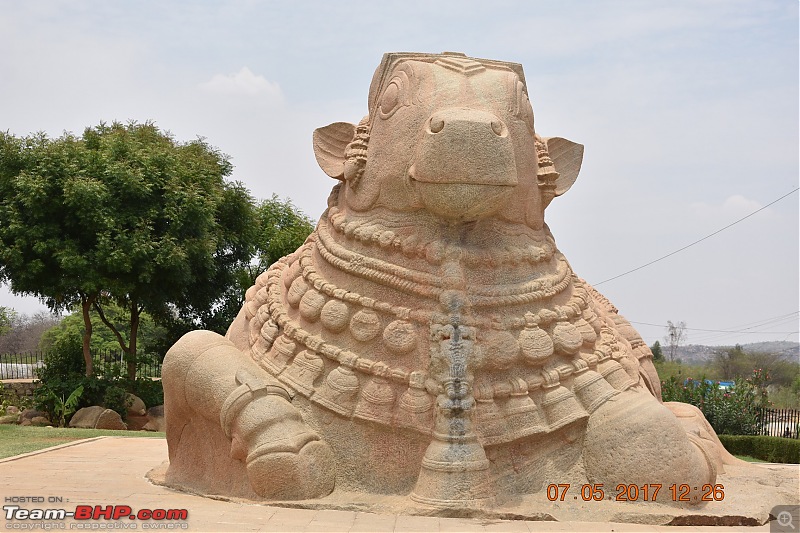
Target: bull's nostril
(497,127)
(437,125)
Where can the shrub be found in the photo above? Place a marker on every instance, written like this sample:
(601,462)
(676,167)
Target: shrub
(734,412)
(771,449)
(117,399)
(150,391)
(65,407)
(63,359)
(63,373)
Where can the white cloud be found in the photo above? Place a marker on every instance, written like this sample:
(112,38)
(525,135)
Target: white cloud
(739,203)
(736,205)
(244,83)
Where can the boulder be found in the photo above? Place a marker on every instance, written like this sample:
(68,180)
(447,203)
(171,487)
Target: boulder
(12,418)
(110,419)
(28,414)
(97,417)
(155,416)
(137,406)
(12,410)
(86,418)
(136,422)
(41,421)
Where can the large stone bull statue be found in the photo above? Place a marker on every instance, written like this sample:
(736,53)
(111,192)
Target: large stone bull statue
(429,339)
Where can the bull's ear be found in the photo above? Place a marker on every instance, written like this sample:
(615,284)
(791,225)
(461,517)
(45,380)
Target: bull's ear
(330,143)
(567,157)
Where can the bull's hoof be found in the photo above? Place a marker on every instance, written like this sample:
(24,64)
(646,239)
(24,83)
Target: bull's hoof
(305,475)
(695,423)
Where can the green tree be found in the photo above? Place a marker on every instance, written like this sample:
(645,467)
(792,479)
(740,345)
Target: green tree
(732,362)
(6,320)
(42,245)
(658,354)
(282,230)
(122,214)
(103,339)
(279,229)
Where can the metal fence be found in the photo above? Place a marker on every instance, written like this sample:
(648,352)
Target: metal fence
(20,365)
(26,365)
(781,423)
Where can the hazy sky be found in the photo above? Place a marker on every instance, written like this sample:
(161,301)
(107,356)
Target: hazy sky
(688,111)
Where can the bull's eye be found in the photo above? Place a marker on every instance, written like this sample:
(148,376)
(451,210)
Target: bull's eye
(390,99)
(437,125)
(497,127)
(394,96)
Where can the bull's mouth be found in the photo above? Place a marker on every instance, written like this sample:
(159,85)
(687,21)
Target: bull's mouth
(459,199)
(476,177)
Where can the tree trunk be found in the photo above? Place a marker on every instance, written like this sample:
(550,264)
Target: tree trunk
(86,304)
(131,354)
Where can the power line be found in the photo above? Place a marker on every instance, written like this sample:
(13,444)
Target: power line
(757,324)
(697,241)
(766,322)
(719,330)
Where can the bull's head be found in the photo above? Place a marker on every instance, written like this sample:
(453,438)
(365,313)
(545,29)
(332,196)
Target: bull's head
(452,135)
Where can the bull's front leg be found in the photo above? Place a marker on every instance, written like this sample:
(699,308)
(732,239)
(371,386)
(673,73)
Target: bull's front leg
(634,439)
(209,382)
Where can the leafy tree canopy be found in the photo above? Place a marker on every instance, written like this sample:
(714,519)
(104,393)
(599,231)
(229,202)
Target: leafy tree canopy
(658,353)
(6,320)
(279,228)
(124,213)
(103,339)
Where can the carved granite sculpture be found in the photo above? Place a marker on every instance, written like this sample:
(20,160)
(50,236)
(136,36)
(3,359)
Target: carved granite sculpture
(429,340)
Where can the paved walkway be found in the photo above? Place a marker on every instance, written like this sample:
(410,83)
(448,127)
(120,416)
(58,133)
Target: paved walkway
(109,471)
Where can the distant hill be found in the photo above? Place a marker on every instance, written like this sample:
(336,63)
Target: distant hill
(698,353)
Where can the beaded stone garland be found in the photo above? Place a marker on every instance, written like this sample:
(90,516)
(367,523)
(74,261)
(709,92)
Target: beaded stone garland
(546,368)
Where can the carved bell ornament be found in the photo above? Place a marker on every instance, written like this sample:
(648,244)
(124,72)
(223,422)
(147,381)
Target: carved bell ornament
(339,390)
(537,345)
(304,371)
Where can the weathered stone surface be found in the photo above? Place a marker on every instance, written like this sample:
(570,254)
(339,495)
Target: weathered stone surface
(97,417)
(12,410)
(136,422)
(155,419)
(28,414)
(40,421)
(137,406)
(429,343)
(18,391)
(13,418)
(86,417)
(110,419)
